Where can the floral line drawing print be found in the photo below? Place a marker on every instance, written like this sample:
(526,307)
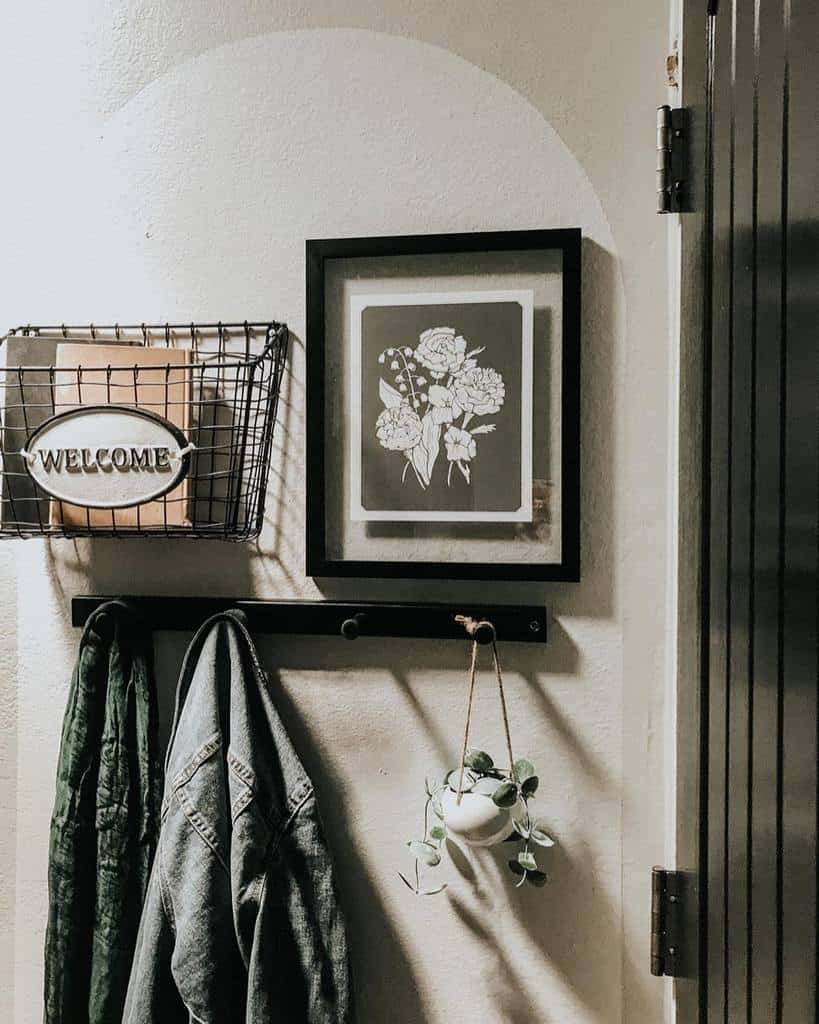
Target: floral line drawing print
(438,390)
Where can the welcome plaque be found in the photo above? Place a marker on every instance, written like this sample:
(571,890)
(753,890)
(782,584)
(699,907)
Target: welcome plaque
(107,456)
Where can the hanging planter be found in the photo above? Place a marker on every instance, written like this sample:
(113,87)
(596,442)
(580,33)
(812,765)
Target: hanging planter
(480,804)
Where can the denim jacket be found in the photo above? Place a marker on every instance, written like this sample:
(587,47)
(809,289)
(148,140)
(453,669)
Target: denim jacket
(241,921)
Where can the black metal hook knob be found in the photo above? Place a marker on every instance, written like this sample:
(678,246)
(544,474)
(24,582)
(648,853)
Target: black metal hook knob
(484,633)
(351,628)
(481,631)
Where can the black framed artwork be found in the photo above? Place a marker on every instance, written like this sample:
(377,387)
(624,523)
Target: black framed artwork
(443,406)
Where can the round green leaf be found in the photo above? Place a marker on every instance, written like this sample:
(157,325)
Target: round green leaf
(469,780)
(478,760)
(537,878)
(538,836)
(524,770)
(529,787)
(527,861)
(486,786)
(506,795)
(425,852)
(432,785)
(438,832)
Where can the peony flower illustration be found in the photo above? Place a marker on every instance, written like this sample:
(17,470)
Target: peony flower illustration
(479,391)
(430,396)
(460,445)
(398,428)
(441,350)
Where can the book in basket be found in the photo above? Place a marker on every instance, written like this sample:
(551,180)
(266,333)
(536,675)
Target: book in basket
(155,379)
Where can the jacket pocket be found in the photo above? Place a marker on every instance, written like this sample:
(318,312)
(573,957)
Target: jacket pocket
(201,793)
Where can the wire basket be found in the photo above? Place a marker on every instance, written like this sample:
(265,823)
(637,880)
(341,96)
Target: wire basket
(215,385)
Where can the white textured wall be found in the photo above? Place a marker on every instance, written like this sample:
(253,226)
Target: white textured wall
(167,162)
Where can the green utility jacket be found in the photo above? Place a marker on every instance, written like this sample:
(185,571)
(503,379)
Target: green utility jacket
(104,826)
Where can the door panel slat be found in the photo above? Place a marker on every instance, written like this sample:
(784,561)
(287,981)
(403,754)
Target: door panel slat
(765,727)
(719,694)
(800,534)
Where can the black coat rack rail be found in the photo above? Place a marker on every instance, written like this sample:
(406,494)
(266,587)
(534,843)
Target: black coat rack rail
(509,623)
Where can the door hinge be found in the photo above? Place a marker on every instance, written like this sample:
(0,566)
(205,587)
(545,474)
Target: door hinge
(672,161)
(666,921)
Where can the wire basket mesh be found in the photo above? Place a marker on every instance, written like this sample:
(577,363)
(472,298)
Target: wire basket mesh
(217,384)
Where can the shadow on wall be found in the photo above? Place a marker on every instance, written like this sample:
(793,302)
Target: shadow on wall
(142,565)
(284,515)
(379,994)
(558,920)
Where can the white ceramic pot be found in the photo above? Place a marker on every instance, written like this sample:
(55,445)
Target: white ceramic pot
(477,820)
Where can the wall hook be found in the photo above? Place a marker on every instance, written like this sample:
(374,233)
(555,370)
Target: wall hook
(485,623)
(351,628)
(481,631)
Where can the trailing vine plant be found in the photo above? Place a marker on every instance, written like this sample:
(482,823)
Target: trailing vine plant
(506,789)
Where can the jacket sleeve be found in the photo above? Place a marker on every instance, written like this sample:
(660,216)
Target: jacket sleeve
(152,994)
(300,967)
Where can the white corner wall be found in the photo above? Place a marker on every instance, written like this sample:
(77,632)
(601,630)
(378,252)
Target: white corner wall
(168,164)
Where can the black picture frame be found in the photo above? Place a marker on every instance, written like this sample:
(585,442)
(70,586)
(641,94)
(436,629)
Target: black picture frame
(318,252)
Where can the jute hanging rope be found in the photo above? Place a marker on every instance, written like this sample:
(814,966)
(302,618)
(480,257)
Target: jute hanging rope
(470,700)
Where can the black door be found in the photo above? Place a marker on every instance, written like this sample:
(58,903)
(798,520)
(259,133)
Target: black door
(759,243)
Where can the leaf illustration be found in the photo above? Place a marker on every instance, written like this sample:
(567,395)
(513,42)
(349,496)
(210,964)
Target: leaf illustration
(431,439)
(485,428)
(419,461)
(388,395)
